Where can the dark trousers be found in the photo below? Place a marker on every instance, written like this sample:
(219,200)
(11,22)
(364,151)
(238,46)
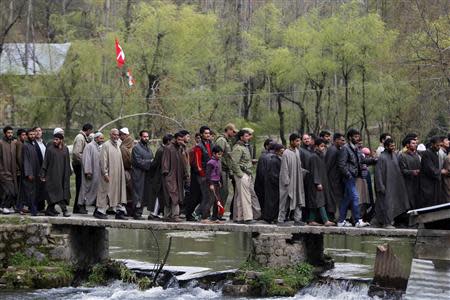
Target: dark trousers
(77,171)
(233,183)
(204,208)
(214,197)
(193,199)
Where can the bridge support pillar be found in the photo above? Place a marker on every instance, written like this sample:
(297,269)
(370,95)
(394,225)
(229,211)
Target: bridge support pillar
(84,246)
(281,249)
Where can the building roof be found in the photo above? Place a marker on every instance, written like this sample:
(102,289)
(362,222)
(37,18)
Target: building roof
(43,59)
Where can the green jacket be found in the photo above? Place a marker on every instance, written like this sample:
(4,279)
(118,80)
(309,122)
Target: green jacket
(241,160)
(225,143)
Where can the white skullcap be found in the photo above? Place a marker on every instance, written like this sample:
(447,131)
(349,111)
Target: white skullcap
(421,147)
(58,130)
(97,134)
(125,130)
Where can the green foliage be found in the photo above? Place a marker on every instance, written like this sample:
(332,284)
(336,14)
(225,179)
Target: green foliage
(28,272)
(286,281)
(144,283)
(98,275)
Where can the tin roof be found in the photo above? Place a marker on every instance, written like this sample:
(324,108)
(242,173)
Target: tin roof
(42,58)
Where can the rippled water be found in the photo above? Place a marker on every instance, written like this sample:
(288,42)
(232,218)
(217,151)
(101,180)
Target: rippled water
(199,252)
(118,290)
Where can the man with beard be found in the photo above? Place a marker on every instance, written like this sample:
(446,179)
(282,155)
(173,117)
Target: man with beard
(142,157)
(173,171)
(21,138)
(292,194)
(384,136)
(350,167)
(430,175)
(56,173)
(392,198)
(305,157)
(261,171)
(271,206)
(334,175)
(80,142)
(125,148)
(156,188)
(325,135)
(409,162)
(112,189)
(90,172)
(8,171)
(30,173)
(321,195)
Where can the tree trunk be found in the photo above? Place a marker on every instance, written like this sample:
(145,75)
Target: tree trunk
(127,20)
(281,117)
(346,80)
(364,108)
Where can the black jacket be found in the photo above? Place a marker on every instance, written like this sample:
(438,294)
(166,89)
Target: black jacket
(348,162)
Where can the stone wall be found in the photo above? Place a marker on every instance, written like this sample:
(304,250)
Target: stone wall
(34,240)
(79,245)
(277,250)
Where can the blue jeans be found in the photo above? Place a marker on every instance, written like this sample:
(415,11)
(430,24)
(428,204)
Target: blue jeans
(350,197)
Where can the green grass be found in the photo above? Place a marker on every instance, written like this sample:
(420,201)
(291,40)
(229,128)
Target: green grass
(294,278)
(15,220)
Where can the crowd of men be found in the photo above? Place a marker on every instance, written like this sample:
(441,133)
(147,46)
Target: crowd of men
(314,180)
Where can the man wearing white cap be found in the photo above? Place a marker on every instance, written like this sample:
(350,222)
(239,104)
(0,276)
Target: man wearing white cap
(112,191)
(125,148)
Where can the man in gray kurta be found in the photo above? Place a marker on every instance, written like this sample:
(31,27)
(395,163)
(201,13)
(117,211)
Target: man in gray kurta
(112,190)
(292,194)
(90,179)
(8,171)
(55,173)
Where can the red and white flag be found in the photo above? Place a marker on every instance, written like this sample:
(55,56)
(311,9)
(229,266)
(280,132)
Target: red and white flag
(130,78)
(120,55)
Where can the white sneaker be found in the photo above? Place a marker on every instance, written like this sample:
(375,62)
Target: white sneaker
(6,211)
(344,224)
(361,223)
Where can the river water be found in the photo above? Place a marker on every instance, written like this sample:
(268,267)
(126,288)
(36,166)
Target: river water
(207,251)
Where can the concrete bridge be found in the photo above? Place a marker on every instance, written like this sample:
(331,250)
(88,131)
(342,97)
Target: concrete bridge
(87,243)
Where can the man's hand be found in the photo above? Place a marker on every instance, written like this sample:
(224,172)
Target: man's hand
(30,178)
(444,171)
(43,179)
(319,187)
(211,187)
(89,176)
(415,172)
(106,177)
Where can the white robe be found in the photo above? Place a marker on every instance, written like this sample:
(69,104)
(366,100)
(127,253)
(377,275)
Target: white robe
(111,193)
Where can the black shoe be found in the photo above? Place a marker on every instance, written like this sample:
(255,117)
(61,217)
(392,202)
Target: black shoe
(100,215)
(138,217)
(66,214)
(80,210)
(284,224)
(51,213)
(110,211)
(221,219)
(248,222)
(120,215)
(299,223)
